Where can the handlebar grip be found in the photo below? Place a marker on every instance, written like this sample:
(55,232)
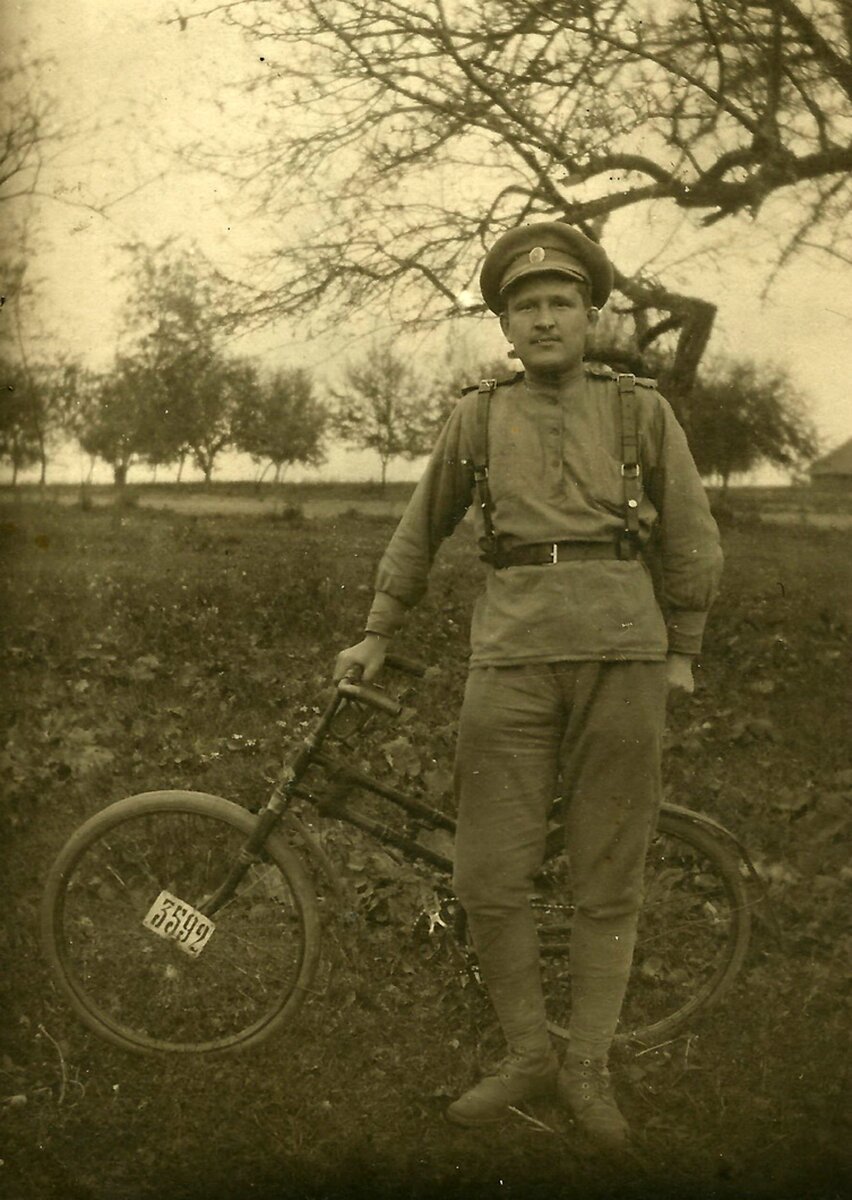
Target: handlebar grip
(408,666)
(368,694)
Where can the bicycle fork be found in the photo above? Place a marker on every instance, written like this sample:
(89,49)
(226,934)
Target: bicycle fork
(269,816)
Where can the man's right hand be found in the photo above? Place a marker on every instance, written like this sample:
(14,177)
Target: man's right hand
(363,661)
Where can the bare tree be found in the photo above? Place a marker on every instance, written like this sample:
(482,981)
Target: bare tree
(381,407)
(228,384)
(31,134)
(109,415)
(189,387)
(33,140)
(18,445)
(400,136)
(45,382)
(282,421)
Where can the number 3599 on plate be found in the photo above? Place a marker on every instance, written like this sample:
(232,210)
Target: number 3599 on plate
(176,920)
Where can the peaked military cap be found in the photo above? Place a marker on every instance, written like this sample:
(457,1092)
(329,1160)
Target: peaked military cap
(544,246)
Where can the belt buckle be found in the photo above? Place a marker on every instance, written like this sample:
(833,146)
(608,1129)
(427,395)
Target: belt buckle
(554,552)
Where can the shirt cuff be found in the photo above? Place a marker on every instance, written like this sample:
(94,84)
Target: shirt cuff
(386,615)
(686,631)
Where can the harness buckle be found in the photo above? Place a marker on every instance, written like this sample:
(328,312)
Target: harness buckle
(554,552)
(630,470)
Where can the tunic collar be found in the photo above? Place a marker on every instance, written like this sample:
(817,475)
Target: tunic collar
(553,388)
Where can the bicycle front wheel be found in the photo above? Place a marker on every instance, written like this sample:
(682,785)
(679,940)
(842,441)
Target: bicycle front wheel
(135,956)
(693,932)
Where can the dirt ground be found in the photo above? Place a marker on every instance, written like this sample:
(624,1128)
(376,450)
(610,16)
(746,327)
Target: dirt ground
(146,648)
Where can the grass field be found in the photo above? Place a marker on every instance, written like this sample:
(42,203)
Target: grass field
(146,648)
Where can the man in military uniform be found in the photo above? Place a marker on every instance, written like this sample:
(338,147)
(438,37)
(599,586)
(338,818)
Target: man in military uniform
(571,656)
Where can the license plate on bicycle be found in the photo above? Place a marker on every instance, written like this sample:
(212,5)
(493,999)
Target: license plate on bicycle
(172,918)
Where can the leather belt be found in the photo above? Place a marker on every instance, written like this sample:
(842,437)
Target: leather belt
(545,553)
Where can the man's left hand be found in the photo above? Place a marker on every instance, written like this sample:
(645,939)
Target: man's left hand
(679,673)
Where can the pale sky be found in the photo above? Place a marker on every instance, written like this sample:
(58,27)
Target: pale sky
(140,86)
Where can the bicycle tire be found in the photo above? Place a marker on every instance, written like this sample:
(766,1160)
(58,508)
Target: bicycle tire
(143,992)
(693,935)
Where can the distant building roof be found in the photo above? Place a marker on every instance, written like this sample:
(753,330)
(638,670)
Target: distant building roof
(836,462)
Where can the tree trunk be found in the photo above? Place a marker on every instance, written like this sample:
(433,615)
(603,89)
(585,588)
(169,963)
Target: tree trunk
(14,470)
(92,460)
(181,461)
(279,467)
(204,460)
(384,471)
(42,457)
(119,474)
(260,475)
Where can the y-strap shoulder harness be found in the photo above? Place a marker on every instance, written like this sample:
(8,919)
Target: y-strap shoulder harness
(627,543)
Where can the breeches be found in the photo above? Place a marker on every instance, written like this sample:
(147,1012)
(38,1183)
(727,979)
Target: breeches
(591,732)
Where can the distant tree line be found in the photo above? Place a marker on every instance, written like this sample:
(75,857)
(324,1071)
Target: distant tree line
(172,394)
(175,393)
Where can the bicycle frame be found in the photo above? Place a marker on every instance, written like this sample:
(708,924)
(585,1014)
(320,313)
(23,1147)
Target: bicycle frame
(175,826)
(343,777)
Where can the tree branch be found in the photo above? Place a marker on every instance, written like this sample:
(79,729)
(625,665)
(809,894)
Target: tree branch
(838,67)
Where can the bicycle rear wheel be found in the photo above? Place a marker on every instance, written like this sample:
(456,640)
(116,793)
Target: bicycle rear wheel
(693,932)
(181,982)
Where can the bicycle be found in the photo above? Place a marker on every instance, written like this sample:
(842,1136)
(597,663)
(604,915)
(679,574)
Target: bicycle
(180,921)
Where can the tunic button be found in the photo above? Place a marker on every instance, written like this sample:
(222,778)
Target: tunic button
(632,503)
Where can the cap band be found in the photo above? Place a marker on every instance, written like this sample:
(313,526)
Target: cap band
(543,258)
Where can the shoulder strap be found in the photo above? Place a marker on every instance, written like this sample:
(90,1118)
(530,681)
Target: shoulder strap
(492,384)
(484,392)
(631,470)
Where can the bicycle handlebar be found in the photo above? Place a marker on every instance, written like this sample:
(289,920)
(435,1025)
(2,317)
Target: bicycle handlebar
(369,695)
(406,665)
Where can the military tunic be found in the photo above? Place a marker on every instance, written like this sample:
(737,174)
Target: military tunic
(555,475)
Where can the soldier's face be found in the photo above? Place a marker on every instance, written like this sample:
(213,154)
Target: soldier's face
(547,321)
